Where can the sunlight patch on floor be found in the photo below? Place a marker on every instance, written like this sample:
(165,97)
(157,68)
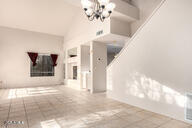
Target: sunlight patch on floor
(50,124)
(29,92)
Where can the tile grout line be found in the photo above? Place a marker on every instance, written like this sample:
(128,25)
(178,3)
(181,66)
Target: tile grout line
(9,111)
(39,108)
(25,112)
(164,123)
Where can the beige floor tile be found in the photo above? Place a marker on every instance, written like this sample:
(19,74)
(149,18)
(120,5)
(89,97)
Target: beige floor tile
(146,124)
(67,108)
(175,124)
(132,119)
(158,121)
(119,123)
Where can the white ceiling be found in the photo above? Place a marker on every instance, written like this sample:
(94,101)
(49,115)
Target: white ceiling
(47,16)
(114,42)
(113,39)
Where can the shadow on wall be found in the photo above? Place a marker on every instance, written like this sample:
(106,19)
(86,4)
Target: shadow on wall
(142,87)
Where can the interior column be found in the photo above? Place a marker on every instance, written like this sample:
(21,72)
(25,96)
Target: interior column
(98,66)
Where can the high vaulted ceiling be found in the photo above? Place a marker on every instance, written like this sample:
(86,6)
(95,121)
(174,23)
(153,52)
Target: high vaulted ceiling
(47,16)
(52,16)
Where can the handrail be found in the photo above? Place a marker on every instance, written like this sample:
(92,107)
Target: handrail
(137,32)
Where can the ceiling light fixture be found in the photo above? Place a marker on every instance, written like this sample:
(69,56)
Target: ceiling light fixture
(99,9)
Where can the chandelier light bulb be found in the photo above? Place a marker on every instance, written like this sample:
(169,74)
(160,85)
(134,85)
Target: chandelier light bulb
(89,12)
(110,6)
(105,13)
(86,3)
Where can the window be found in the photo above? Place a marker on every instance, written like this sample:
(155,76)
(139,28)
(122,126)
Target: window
(44,67)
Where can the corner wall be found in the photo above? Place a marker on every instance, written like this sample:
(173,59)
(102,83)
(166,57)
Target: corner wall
(15,63)
(146,7)
(154,71)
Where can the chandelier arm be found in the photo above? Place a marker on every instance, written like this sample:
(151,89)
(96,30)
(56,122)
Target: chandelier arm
(102,9)
(92,14)
(108,16)
(102,19)
(85,13)
(101,16)
(91,18)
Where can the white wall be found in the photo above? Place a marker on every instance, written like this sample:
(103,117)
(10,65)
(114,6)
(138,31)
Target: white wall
(124,10)
(15,63)
(98,67)
(154,71)
(82,30)
(85,66)
(120,27)
(85,58)
(146,7)
(70,82)
(47,16)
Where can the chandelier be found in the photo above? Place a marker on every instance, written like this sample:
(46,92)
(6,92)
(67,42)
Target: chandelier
(99,9)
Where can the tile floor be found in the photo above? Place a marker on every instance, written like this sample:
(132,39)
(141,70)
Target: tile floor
(62,107)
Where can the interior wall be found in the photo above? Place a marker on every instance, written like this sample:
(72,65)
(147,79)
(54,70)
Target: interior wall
(85,66)
(146,7)
(47,16)
(98,66)
(73,83)
(82,30)
(120,27)
(15,63)
(154,71)
(85,58)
